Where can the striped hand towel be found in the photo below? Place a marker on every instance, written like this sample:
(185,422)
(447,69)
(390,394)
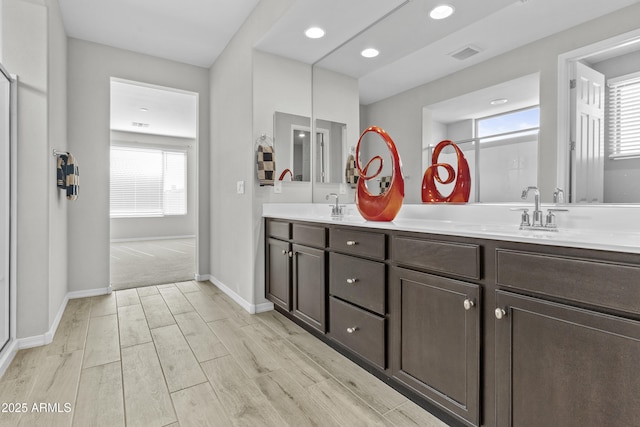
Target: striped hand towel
(68,175)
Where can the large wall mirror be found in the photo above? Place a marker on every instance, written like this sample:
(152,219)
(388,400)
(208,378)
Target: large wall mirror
(510,144)
(425,66)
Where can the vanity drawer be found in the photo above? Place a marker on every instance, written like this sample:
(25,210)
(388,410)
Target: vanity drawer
(310,235)
(279,229)
(359,281)
(359,330)
(605,284)
(363,243)
(446,257)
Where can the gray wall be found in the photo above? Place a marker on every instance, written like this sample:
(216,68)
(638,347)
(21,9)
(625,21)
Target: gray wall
(401,115)
(34,48)
(166,226)
(236,219)
(90,68)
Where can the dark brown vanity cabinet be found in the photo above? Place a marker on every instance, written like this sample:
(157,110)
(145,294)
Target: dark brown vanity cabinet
(357,289)
(564,357)
(488,332)
(435,339)
(309,290)
(278,264)
(435,336)
(558,365)
(278,273)
(295,270)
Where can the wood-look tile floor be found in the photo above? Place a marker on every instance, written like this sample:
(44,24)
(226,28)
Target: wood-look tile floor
(185,354)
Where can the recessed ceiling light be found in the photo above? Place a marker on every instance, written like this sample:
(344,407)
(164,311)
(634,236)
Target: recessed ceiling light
(499,101)
(370,53)
(144,109)
(314,32)
(441,12)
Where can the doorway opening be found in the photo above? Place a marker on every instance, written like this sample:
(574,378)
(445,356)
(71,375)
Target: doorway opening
(153,185)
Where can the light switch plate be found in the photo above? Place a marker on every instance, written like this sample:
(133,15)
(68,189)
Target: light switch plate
(277,187)
(343,188)
(240,187)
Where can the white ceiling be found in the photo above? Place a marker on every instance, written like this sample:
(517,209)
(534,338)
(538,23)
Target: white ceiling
(414,48)
(155,110)
(520,93)
(190,31)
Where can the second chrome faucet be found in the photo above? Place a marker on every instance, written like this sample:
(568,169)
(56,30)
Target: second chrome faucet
(536,222)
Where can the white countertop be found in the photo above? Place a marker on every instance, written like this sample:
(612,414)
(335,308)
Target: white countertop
(601,227)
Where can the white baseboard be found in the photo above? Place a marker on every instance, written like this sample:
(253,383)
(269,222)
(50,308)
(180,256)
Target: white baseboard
(47,337)
(89,293)
(142,239)
(265,306)
(251,308)
(202,277)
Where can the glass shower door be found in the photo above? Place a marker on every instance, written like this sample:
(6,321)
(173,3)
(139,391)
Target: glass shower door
(5,174)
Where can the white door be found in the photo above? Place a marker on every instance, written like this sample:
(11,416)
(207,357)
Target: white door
(587,135)
(5,133)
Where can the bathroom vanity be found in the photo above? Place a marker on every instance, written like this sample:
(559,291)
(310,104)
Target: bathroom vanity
(487,323)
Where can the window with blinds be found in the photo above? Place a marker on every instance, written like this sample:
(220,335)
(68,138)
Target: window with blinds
(148,182)
(623,117)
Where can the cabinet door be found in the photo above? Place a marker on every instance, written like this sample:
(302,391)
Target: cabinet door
(435,339)
(558,365)
(309,286)
(278,273)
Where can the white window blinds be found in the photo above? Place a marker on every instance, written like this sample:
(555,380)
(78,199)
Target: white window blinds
(623,116)
(147,182)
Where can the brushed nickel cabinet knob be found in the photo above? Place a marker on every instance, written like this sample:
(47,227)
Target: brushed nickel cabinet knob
(500,313)
(468,304)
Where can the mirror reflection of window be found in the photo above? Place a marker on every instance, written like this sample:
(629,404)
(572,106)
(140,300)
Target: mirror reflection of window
(502,152)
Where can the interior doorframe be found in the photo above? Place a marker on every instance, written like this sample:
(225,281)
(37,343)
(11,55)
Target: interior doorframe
(197,276)
(565,61)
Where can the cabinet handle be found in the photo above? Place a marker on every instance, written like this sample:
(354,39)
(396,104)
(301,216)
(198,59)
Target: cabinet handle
(352,281)
(351,243)
(284,252)
(468,304)
(500,313)
(290,254)
(352,330)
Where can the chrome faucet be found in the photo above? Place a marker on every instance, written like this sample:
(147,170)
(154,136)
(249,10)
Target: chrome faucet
(536,224)
(537,213)
(558,195)
(336,210)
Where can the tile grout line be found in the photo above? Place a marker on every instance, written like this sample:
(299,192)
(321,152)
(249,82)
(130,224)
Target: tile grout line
(84,348)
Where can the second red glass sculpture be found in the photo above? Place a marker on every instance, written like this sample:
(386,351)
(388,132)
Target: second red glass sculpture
(385,206)
(462,188)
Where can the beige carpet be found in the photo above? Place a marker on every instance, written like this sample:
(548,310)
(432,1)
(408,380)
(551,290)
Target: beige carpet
(152,262)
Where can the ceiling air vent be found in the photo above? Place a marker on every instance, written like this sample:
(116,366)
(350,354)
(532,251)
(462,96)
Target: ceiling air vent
(465,53)
(140,125)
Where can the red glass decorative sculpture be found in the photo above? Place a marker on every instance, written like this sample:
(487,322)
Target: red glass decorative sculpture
(385,206)
(284,173)
(462,188)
